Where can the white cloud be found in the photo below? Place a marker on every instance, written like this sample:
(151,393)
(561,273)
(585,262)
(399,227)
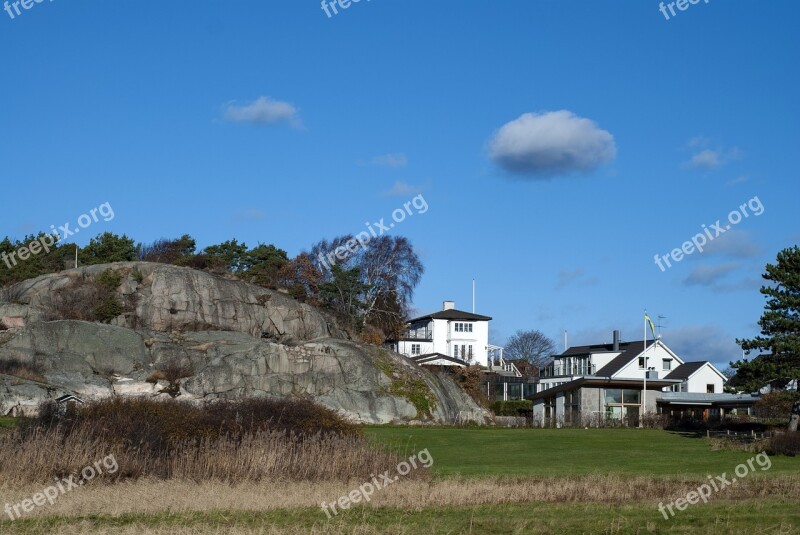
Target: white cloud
(706,158)
(551,143)
(705,275)
(567,277)
(264,110)
(705,342)
(734,243)
(738,180)
(250,214)
(402,189)
(397,159)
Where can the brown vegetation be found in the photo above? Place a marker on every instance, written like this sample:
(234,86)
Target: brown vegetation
(251,440)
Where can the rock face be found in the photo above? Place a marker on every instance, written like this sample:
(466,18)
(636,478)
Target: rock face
(205,337)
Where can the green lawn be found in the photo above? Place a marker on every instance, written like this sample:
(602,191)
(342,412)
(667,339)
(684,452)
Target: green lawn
(723,517)
(477,452)
(7,422)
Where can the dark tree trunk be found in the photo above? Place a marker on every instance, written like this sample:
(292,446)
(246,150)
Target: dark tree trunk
(795,417)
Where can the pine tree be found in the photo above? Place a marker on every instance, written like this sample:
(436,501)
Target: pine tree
(779,343)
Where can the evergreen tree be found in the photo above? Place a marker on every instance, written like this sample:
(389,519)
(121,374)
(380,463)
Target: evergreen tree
(779,343)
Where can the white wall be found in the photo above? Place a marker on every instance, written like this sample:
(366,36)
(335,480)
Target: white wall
(705,376)
(654,359)
(445,338)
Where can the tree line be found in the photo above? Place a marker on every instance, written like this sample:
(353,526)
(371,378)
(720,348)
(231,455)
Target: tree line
(370,291)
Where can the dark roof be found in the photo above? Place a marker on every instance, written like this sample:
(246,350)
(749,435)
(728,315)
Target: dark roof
(685,370)
(599,348)
(630,350)
(605,382)
(428,357)
(452,314)
(68,397)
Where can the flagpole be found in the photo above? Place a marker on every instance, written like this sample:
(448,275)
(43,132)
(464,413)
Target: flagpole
(644,355)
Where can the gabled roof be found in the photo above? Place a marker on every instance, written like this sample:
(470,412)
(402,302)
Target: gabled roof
(431,357)
(630,350)
(685,370)
(452,314)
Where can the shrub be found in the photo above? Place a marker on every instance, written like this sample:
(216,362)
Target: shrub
(24,370)
(373,335)
(470,379)
(774,405)
(512,407)
(255,439)
(159,425)
(89,300)
(785,444)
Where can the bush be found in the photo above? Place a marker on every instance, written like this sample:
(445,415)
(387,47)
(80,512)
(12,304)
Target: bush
(89,300)
(159,426)
(373,335)
(250,440)
(512,407)
(774,405)
(785,444)
(470,379)
(23,370)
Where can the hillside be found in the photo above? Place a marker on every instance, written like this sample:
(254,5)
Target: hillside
(138,328)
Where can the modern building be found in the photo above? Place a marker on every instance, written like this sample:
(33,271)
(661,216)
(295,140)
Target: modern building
(620,380)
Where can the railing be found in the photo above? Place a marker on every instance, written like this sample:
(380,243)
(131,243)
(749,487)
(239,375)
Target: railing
(566,371)
(418,338)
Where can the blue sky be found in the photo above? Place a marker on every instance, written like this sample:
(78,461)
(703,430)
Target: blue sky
(559,145)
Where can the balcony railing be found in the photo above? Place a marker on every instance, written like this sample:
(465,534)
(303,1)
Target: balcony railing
(418,338)
(559,370)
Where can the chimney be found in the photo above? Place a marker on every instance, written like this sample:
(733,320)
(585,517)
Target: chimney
(616,341)
(448,305)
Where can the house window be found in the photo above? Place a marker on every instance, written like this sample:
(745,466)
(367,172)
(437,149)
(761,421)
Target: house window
(666,364)
(709,389)
(623,403)
(470,352)
(641,363)
(415,349)
(463,327)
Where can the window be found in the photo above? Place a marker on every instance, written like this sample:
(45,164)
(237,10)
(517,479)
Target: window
(641,363)
(415,349)
(455,351)
(666,364)
(463,327)
(470,352)
(709,389)
(623,403)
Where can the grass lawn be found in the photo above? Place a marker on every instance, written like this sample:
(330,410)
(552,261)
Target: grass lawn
(7,422)
(480,452)
(753,516)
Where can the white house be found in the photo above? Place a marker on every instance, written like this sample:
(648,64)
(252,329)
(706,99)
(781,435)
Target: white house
(450,337)
(617,380)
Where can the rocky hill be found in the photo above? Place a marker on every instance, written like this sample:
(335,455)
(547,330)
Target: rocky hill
(169,330)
